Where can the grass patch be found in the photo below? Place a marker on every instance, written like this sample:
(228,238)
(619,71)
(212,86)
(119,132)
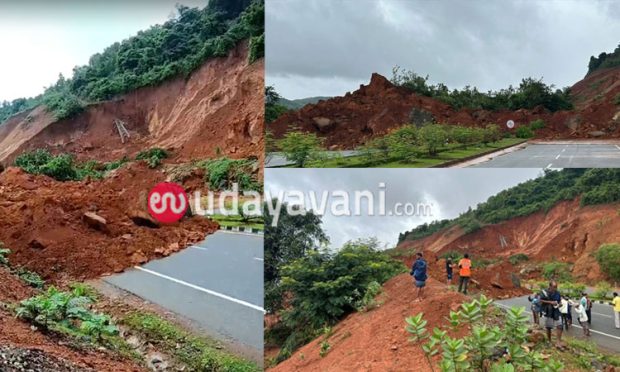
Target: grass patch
(451,153)
(238,221)
(197,353)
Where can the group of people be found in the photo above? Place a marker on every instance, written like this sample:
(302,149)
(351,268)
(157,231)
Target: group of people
(419,268)
(556,309)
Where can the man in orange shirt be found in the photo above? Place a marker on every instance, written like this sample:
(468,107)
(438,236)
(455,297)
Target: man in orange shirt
(464,272)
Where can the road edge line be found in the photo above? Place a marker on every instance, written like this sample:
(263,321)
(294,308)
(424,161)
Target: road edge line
(208,291)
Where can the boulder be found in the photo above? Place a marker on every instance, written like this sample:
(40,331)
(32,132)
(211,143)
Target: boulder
(419,117)
(95,221)
(323,123)
(142,218)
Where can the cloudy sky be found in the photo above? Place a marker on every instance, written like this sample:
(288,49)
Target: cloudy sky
(41,39)
(317,47)
(447,192)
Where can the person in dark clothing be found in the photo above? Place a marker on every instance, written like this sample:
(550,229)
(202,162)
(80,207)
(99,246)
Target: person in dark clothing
(418,271)
(550,300)
(449,267)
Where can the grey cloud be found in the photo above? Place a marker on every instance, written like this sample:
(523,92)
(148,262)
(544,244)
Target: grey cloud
(451,192)
(489,44)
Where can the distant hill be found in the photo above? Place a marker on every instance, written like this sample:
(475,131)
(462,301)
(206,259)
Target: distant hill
(296,104)
(604,60)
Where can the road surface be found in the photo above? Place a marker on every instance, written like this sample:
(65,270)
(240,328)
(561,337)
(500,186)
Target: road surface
(603,330)
(278,160)
(556,155)
(218,284)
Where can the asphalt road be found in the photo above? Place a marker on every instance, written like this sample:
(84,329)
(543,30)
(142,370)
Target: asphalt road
(218,284)
(558,156)
(602,329)
(278,160)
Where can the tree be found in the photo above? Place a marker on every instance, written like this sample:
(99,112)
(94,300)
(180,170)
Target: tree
(300,147)
(608,257)
(291,238)
(432,136)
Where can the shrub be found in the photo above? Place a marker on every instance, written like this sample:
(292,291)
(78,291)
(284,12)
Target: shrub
(558,271)
(368,302)
(537,124)
(602,291)
(31,278)
(516,259)
(524,132)
(300,148)
(222,173)
(4,253)
(608,258)
(152,157)
(432,137)
(571,290)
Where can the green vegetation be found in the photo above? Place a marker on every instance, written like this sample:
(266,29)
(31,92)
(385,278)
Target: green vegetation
(325,286)
(197,353)
(368,301)
(239,221)
(152,157)
(604,60)
(273,108)
(4,253)
(63,167)
(617,99)
(300,148)
(524,132)
(608,258)
(595,186)
(516,259)
(221,173)
(67,313)
(602,291)
(175,48)
(477,350)
(537,124)
(292,238)
(31,278)
(585,354)
(529,94)
(557,270)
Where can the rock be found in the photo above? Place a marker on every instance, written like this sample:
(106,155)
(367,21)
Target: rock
(419,117)
(141,218)
(596,133)
(95,221)
(394,348)
(38,243)
(322,123)
(126,236)
(138,258)
(516,281)
(573,122)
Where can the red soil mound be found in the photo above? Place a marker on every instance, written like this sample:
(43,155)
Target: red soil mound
(219,109)
(11,288)
(566,233)
(42,222)
(380,107)
(377,340)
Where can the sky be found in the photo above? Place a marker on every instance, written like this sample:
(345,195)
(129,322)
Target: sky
(447,193)
(326,48)
(41,39)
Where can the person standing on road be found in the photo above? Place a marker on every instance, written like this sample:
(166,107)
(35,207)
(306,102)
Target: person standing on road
(616,303)
(449,267)
(564,312)
(587,305)
(418,271)
(464,272)
(535,300)
(550,299)
(583,319)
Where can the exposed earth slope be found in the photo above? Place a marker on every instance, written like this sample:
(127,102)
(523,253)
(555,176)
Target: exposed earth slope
(218,109)
(380,107)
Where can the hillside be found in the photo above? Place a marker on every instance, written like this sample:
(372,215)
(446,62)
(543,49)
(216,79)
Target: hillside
(296,104)
(382,106)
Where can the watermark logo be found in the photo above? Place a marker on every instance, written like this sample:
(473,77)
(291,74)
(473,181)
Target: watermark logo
(167,202)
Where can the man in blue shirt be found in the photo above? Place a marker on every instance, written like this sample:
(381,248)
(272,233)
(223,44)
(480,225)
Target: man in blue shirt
(550,300)
(418,271)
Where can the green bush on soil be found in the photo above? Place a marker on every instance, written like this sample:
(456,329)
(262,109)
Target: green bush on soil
(326,286)
(152,157)
(608,258)
(222,173)
(516,259)
(4,253)
(558,271)
(537,124)
(62,167)
(524,132)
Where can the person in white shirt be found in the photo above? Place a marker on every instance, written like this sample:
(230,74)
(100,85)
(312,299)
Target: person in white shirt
(582,316)
(564,312)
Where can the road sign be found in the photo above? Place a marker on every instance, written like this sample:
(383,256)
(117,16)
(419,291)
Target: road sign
(510,124)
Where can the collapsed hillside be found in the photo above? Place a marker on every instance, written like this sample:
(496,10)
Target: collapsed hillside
(566,233)
(49,228)
(377,340)
(380,107)
(217,111)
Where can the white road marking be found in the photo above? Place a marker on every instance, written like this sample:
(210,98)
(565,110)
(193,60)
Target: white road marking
(574,325)
(549,166)
(208,291)
(240,233)
(618,147)
(200,248)
(557,157)
(258,259)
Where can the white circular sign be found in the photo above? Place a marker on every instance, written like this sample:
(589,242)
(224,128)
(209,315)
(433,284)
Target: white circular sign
(510,124)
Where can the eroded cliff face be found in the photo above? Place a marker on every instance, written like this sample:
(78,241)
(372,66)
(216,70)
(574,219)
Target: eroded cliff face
(380,107)
(218,109)
(566,233)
